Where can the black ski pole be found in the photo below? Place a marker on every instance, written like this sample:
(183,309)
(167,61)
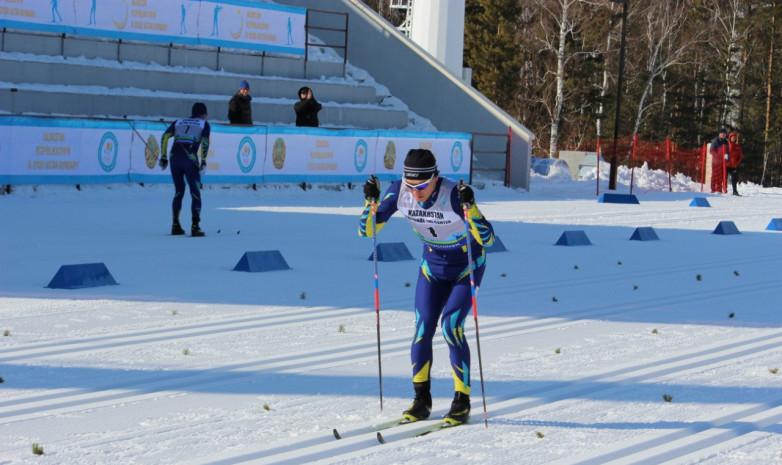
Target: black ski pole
(150,149)
(475,309)
(377,300)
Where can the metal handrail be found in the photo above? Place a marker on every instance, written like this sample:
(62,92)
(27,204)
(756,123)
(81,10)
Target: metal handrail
(308,44)
(506,152)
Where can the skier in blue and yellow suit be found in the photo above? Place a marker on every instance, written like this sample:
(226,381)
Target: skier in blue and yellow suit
(188,134)
(433,207)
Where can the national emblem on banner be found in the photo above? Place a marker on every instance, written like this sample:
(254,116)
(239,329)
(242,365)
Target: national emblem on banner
(360,155)
(457,156)
(246,154)
(278,153)
(107,152)
(151,152)
(389,158)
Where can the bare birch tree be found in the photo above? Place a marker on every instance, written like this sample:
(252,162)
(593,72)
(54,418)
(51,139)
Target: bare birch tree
(769,95)
(729,32)
(561,20)
(667,46)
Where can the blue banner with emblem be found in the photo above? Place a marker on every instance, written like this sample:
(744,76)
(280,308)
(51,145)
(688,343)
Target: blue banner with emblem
(39,150)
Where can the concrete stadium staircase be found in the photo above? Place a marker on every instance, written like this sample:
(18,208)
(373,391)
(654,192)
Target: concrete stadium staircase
(44,74)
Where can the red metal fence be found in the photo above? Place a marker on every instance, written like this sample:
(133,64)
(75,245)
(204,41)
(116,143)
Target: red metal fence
(665,155)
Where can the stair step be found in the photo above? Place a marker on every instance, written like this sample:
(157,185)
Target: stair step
(97,101)
(182,80)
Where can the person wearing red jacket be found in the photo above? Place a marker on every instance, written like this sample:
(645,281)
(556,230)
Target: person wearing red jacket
(736,154)
(720,153)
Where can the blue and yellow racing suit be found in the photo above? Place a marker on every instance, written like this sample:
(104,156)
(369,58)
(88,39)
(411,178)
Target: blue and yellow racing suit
(188,134)
(443,288)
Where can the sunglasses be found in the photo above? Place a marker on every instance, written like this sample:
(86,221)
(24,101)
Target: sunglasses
(418,187)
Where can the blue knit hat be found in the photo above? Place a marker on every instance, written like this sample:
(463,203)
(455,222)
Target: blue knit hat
(244,84)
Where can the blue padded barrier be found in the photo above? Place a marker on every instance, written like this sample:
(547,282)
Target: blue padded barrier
(392,252)
(81,276)
(618,198)
(700,202)
(573,238)
(726,228)
(262,260)
(644,234)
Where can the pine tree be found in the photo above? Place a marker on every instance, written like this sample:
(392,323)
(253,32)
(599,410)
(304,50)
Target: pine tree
(490,47)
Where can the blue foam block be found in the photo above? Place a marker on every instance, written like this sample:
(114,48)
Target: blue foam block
(775,224)
(81,276)
(725,228)
(644,234)
(573,238)
(498,246)
(700,202)
(262,260)
(392,252)
(618,198)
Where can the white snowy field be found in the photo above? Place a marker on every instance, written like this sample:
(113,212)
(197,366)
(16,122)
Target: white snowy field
(188,362)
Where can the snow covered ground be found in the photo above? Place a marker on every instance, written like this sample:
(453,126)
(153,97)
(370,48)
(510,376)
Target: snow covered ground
(187,361)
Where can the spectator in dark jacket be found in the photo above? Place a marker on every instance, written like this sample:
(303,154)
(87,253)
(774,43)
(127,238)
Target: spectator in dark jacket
(239,109)
(307,109)
(720,153)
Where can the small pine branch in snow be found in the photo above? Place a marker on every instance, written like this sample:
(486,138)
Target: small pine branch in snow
(698,277)
(654,331)
(185,351)
(6,332)
(539,435)
(266,407)
(37,450)
(667,397)
(341,328)
(303,296)
(558,350)
(175,312)
(774,370)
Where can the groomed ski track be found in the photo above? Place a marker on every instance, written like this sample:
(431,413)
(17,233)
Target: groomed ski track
(705,433)
(599,406)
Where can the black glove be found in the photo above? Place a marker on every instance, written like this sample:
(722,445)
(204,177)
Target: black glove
(163,163)
(466,195)
(203,165)
(372,188)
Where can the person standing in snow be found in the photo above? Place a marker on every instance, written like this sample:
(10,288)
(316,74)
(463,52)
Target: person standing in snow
(736,154)
(307,109)
(720,154)
(433,207)
(240,111)
(189,134)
